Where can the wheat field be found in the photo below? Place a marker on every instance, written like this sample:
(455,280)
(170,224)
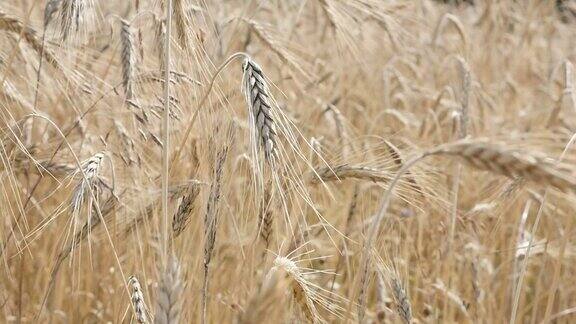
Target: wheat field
(302,161)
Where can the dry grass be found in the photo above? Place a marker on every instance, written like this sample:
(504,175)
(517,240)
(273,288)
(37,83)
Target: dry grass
(322,161)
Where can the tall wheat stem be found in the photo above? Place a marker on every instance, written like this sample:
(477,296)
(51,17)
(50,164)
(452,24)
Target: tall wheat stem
(166,126)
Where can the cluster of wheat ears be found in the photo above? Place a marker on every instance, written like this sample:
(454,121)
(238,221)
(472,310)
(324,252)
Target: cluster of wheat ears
(306,161)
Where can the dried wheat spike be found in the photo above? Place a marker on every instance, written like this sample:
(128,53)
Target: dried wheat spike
(346,171)
(510,163)
(71,15)
(403,306)
(138,300)
(258,97)
(128,58)
(182,215)
(266,219)
(300,288)
(90,171)
(169,295)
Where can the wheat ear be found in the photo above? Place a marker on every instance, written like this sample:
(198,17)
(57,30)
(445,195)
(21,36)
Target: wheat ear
(128,58)
(259,102)
(496,159)
(265,218)
(403,306)
(169,295)
(182,215)
(300,288)
(138,300)
(345,171)
(71,12)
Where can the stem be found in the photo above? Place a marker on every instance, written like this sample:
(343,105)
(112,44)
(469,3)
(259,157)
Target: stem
(204,293)
(166,128)
(518,289)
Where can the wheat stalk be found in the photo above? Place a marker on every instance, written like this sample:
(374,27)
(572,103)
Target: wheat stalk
(108,207)
(137,300)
